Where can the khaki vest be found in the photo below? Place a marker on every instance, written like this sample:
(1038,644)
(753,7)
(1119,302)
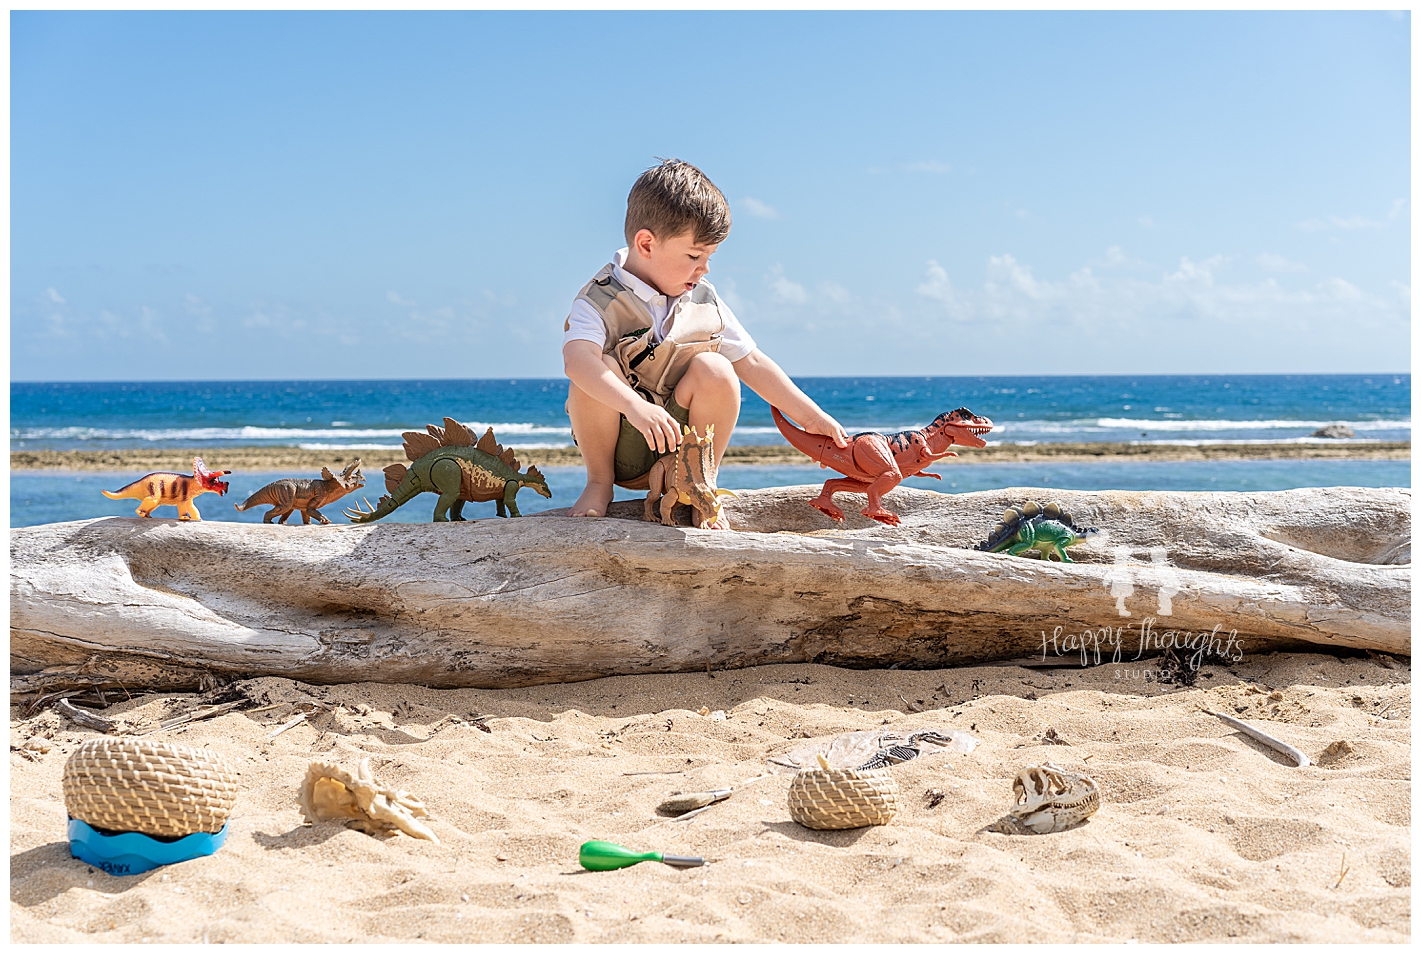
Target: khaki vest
(653,370)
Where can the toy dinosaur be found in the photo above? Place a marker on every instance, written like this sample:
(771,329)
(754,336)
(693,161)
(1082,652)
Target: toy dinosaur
(446,461)
(291,494)
(686,476)
(875,463)
(1040,531)
(176,490)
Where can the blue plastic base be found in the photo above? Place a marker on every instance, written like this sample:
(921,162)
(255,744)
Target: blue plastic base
(132,853)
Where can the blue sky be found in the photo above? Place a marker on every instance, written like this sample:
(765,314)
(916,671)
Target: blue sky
(338,195)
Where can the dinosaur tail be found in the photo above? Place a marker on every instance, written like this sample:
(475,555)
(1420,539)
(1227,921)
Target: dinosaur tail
(388,503)
(811,444)
(145,486)
(263,496)
(820,449)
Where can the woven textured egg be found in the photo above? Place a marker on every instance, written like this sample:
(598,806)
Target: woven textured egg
(155,788)
(828,799)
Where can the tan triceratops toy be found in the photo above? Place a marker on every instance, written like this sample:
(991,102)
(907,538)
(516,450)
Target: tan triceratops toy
(687,476)
(293,495)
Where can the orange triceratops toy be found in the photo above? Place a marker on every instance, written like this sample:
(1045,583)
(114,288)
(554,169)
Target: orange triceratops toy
(177,490)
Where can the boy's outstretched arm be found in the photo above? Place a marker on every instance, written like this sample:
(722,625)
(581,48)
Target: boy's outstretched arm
(767,379)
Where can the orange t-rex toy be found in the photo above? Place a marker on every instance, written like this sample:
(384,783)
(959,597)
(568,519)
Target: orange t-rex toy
(875,463)
(176,490)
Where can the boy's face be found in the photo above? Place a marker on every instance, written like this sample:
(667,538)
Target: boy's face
(672,265)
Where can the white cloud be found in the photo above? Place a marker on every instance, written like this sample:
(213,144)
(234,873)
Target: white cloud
(938,285)
(761,210)
(1022,214)
(196,306)
(1196,290)
(54,296)
(1277,263)
(932,165)
(1396,206)
(395,299)
(1115,257)
(785,290)
(1147,221)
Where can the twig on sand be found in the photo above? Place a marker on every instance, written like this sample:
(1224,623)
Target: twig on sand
(40,702)
(196,716)
(289,724)
(911,707)
(693,814)
(658,772)
(88,720)
(1276,744)
(1343,873)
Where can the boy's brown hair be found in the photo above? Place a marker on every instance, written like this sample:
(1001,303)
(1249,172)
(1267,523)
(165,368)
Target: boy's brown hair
(676,197)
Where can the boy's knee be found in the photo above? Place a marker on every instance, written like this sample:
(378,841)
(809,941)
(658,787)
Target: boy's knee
(713,369)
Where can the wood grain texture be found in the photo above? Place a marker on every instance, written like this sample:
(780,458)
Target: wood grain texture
(498,603)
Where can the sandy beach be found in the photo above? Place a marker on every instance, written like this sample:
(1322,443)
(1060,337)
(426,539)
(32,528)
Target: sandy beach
(279,458)
(1203,835)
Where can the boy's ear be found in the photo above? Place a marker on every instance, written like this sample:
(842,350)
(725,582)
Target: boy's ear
(641,242)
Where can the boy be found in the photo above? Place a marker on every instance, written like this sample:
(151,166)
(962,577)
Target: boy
(649,347)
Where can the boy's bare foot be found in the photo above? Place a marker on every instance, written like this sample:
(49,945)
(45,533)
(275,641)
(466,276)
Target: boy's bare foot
(593,502)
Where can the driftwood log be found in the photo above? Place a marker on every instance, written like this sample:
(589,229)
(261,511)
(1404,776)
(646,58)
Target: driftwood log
(494,603)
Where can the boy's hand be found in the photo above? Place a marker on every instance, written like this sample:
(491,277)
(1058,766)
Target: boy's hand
(825,425)
(661,430)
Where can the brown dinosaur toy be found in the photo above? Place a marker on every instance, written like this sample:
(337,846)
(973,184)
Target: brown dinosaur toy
(291,494)
(175,490)
(687,476)
(875,463)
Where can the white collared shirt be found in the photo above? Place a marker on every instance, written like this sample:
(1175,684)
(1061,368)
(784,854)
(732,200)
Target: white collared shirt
(584,324)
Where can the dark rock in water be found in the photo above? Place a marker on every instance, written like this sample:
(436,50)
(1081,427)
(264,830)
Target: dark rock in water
(1334,430)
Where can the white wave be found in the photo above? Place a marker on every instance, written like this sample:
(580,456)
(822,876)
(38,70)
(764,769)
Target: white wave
(1146,424)
(515,445)
(1353,442)
(255,433)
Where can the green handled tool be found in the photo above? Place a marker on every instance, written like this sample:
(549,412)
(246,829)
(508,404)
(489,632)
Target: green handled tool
(606,856)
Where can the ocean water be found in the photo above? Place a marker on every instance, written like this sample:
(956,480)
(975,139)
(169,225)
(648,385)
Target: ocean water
(50,497)
(358,415)
(349,416)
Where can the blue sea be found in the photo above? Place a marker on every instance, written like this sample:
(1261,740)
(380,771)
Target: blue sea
(346,417)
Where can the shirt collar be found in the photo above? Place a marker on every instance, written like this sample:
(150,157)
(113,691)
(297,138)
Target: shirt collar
(643,291)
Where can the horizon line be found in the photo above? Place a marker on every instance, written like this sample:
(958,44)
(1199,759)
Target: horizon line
(1109,374)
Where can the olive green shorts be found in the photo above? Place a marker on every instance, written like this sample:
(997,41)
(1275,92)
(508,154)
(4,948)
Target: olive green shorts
(634,458)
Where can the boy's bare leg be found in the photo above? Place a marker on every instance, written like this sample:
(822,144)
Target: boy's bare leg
(597,427)
(710,391)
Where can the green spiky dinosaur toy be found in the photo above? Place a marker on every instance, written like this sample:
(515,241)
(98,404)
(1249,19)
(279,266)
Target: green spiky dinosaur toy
(448,462)
(1042,532)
